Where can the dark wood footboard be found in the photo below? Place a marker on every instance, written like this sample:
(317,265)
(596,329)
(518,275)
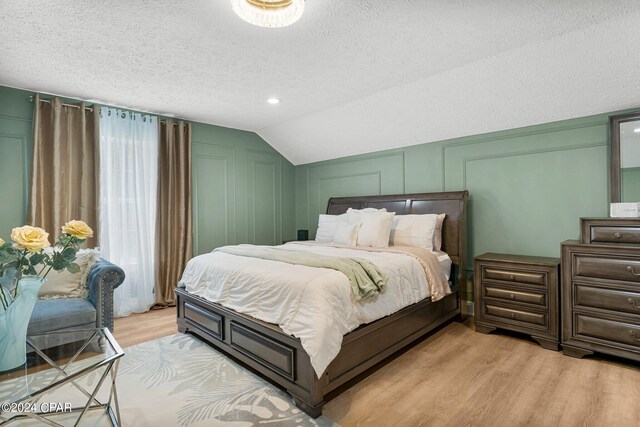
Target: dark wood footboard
(281,358)
(260,345)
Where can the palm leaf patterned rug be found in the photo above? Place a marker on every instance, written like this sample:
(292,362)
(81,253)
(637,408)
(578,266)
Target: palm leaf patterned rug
(180,381)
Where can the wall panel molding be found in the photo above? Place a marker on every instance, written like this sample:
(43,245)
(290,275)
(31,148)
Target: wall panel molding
(214,196)
(523,173)
(264,221)
(14,165)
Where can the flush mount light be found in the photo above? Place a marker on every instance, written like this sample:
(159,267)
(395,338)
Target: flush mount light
(273,101)
(636,130)
(269,13)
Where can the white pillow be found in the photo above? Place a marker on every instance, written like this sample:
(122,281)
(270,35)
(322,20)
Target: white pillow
(414,230)
(346,234)
(437,235)
(327,227)
(355,215)
(375,228)
(62,284)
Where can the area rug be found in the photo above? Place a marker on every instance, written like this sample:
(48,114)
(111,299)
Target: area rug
(180,381)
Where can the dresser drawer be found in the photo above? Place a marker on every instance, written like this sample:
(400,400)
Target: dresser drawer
(607,267)
(492,291)
(610,231)
(516,314)
(517,276)
(608,330)
(608,299)
(621,235)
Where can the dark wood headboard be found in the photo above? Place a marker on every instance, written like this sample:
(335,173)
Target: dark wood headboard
(454,204)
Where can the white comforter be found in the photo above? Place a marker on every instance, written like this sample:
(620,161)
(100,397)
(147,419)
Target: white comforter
(312,304)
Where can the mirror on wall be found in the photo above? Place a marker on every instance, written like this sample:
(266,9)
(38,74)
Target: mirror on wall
(625,158)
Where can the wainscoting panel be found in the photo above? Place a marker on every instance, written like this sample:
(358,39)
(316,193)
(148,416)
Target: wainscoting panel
(528,187)
(529,203)
(15,160)
(263,198)
(14,182)
(214,195)
(381,173)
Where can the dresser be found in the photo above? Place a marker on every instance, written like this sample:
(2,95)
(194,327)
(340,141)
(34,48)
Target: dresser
(518,293)
(601,289)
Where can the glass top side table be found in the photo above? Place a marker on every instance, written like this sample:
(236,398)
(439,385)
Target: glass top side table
(67,380)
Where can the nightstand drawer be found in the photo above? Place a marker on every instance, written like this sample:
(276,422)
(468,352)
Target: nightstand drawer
(518,315)
(608,330)
(607,267)
(620,235)
(608,299)
(516,276)
(492,291)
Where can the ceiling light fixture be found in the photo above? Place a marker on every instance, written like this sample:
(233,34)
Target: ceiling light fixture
(273,101)
(636,130)
(269,13)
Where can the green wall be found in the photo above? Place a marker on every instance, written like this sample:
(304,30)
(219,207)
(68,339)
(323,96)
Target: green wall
(528,187)
(243,188)
(16,112)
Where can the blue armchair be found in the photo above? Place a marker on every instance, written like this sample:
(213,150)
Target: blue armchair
(77,314)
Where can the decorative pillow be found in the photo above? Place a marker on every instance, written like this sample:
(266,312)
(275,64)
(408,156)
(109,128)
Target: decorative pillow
(355,215)
(437,235)
(375,228)
(414,230)
(327,227)
(62,284)
(346,234)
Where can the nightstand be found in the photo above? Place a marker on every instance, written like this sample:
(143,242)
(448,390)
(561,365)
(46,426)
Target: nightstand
(518,293)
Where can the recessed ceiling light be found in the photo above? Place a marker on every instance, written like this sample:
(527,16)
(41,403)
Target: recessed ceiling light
(273,101)
(636,130)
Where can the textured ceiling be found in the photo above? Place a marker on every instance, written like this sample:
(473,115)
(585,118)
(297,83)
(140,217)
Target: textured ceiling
(354,76)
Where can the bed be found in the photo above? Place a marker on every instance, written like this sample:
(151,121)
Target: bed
(281,358)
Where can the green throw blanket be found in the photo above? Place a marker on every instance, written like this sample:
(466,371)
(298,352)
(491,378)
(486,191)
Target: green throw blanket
(365,277)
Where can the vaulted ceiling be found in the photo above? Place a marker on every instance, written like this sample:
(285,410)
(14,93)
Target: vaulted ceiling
(353,76)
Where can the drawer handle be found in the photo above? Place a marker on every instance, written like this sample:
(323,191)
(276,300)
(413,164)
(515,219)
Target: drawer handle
(513,296)
(617,235)
(513,315)
(634,303)
(630,269)
(634,336)
(512,277)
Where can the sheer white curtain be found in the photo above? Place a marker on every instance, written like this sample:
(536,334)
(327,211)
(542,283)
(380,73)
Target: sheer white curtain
(128,184)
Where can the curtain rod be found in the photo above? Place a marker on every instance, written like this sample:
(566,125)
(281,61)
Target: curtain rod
(48,101)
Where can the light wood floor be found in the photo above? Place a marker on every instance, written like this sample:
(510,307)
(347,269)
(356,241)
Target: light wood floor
(148,326)
(457,377)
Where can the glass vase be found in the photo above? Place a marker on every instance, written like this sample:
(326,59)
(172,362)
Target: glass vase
(14,322)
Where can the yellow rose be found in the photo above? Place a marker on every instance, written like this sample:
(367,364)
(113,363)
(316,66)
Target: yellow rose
(78,229)
(33,239)
(1,241)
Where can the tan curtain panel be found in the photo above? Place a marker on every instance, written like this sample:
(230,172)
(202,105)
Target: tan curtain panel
(173,233)
(64,175)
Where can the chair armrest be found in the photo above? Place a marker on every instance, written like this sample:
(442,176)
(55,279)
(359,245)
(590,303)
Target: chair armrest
(103,278)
